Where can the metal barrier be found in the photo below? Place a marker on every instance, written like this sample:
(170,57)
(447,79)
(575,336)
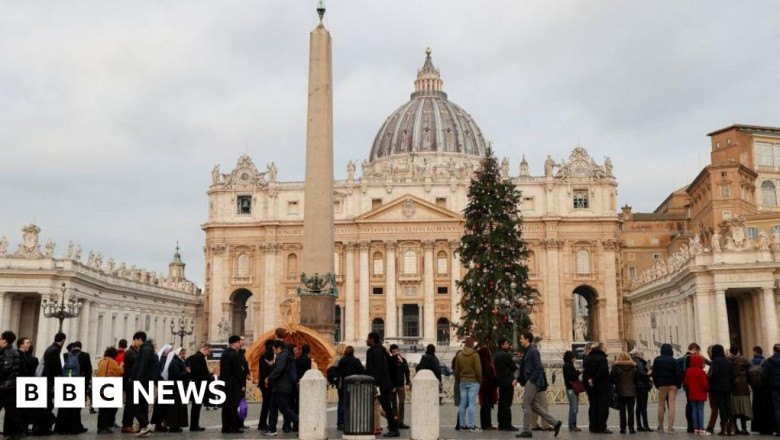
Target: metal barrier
(359,405)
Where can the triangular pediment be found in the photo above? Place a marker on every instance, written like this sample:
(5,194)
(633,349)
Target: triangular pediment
(409,208)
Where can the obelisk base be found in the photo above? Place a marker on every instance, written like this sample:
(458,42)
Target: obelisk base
(317,313)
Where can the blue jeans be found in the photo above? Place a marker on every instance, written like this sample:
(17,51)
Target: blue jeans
(697,414)
(574,406)
(468,399)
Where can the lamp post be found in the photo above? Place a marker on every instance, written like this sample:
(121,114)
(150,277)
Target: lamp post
(60,308)
(182,331)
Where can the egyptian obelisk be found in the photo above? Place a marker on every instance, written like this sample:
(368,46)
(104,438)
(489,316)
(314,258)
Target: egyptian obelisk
(317,305)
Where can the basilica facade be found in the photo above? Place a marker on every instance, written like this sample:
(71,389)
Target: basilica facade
(397,223)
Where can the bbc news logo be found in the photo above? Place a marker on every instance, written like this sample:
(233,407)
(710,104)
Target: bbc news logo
(107,392)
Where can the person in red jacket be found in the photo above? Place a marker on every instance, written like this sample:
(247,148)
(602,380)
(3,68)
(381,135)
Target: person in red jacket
(698,385)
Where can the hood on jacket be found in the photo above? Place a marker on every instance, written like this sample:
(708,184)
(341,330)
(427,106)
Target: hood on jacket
(626,363)
(718,351)
(666,350)
(697,361)
(468,351)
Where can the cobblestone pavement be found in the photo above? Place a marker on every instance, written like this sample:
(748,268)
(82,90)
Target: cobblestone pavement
(212,421)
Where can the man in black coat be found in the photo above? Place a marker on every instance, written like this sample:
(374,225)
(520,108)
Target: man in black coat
(667,378)
(52,364)
(266,366)
(231,371)
(349,365)
(770,373)
(199,376)
(377,366)
(400,377)
(85,367)
(302,365)
(145,370)
(505,380)
(281,385)
(10,366)
(596,379)
(130,357)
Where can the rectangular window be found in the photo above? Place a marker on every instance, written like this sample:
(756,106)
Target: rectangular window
(244,204)
(631,273)
(764,154)
(379,266)
(293,207)
(377,291)
(775,229)
(580,199)
(752,233)
(528,203)
(630,256)
(442,290)
(727,215)
(376,203)
(656,256)
(777,154)
(441,202)
(337,206)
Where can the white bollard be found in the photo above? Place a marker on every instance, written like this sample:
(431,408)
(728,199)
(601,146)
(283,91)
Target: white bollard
(313,407)
(425,406)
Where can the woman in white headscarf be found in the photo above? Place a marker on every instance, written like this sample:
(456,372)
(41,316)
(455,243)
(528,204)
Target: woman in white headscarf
(159,411)
(176,416)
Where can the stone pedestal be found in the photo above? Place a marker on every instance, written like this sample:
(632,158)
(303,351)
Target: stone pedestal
(313,410)
(425,406)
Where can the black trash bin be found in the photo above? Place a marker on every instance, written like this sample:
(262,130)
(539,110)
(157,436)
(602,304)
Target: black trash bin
(359,405)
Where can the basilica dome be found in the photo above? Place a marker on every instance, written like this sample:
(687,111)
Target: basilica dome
(429,122)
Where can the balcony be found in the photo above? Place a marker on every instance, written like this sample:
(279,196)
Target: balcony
(409,278)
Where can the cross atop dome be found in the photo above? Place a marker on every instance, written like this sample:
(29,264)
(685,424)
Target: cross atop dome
(428,82)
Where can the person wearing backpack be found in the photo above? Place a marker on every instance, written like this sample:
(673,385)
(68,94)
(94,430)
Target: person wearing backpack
(763,416)
(771,377)
(281,381)
(69,419)
(10,365)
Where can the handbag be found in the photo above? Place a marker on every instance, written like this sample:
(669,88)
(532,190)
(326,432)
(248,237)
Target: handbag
(577,386)
(242,409)
(613,397)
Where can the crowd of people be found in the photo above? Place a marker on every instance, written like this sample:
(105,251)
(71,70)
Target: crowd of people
(724,378)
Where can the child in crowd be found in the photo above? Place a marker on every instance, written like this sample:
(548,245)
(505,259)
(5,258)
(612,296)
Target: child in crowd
(698,385)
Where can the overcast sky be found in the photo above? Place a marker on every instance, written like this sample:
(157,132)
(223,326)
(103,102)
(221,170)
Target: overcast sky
(112,114)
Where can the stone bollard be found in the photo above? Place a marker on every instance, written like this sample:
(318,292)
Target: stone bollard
(313,407)
(425,406)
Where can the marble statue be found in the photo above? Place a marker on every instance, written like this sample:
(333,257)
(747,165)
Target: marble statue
(77,254)
(608,167)
(90,259)
(580,328)
(272,172)
(350,171)
(763,241)
(4,246)
(215,174)
(695,245)
(111,264)
(716,242)
(50,248)
(505,168)
(524,168)
(549,164)
(70,251)
(98,261)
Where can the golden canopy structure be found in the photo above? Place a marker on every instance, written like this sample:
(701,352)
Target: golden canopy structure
(322,352)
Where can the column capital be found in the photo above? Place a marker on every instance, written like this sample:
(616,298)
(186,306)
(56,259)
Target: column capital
(453,244)
(390,245)
(364,245)
(428,244)
(270,248)
(350,246)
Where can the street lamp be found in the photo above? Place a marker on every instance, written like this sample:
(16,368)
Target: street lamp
(59,308)
(182,332)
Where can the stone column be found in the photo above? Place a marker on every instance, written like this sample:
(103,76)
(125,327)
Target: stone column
(552,307)
(219,252)
(16,313)
(722,317)
(610,315)
(691,317)
(269,286)
(44,337)
(454,291)
(704,335)
(365,275)
(429,308)
(758,314)
(391,321)
(314,408)
(84,334)
(349,293)
(3,306)
(770,315)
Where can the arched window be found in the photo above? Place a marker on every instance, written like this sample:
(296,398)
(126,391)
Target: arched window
(292,265)
(583,262)
(410,261)
(441,263)
(378,326)
(379,264)
(336,265)
(768,194)
(242,266)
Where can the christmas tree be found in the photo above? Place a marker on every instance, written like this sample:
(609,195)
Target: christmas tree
(496,298)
